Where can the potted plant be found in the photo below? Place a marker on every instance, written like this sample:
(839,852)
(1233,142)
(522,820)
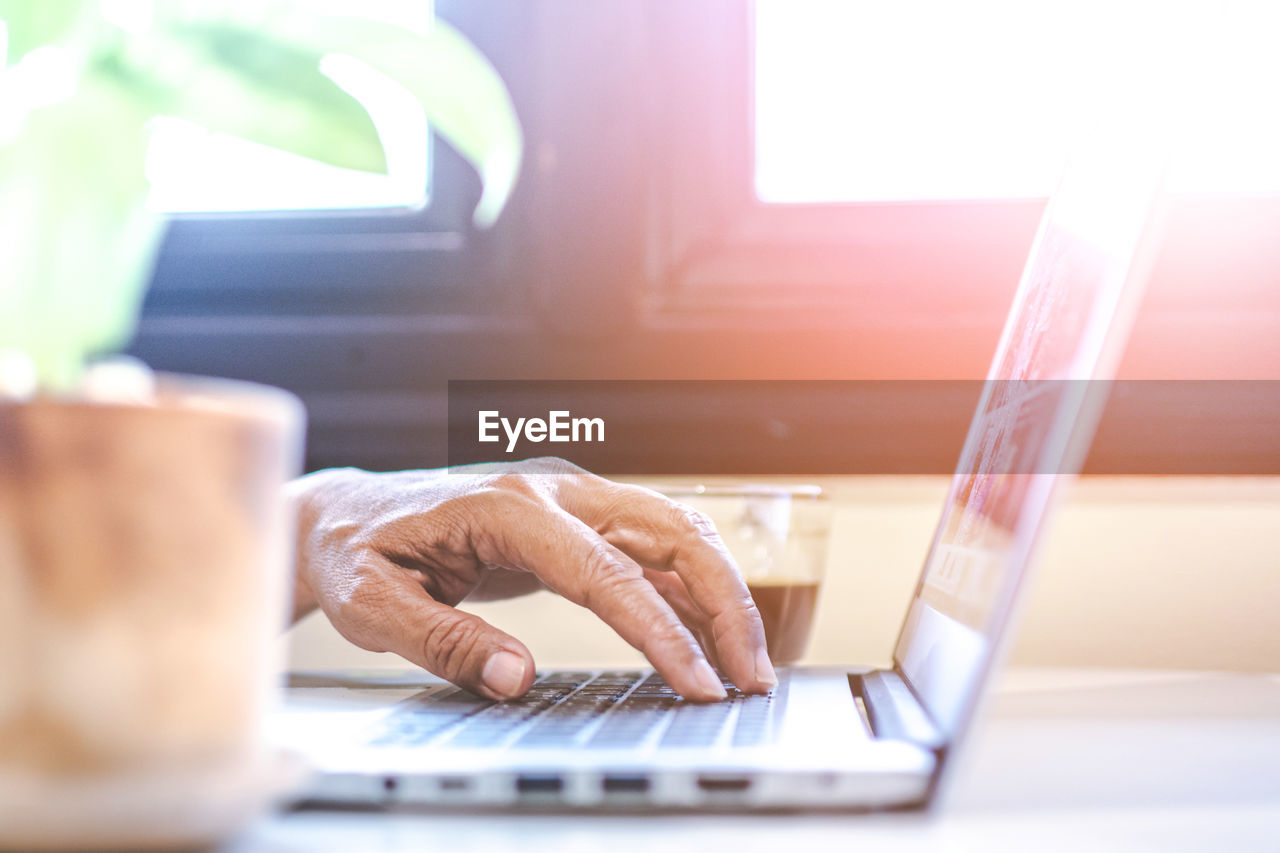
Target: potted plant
(143,541)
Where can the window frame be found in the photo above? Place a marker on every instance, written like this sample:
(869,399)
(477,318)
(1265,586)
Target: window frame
(722,246)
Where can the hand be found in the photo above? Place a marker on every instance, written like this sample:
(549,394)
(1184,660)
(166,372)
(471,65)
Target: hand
(387,556)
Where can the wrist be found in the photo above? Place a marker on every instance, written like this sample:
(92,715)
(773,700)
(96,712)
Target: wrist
(303,498)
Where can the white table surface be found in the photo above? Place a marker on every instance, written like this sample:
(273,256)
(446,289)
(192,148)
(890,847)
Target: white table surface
(1065,760)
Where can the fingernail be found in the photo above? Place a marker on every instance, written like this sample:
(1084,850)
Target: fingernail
(504,674)
(708,681)
(764,668)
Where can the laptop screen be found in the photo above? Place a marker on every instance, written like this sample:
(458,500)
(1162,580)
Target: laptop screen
(1037,415)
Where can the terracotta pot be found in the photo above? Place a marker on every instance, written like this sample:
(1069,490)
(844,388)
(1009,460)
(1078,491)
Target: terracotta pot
(144,560)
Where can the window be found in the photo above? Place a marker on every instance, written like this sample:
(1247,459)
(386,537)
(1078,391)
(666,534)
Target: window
(665,227)
(259,233)
(929,99)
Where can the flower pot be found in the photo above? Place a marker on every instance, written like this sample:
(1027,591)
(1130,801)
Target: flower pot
(144,561)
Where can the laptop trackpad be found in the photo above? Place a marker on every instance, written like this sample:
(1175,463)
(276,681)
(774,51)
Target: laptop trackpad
(821,714)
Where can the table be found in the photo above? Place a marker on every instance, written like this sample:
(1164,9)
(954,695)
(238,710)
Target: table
(1065,760)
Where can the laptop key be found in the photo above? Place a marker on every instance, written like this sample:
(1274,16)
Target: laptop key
(564,722)
(753,726)
(697,725)
(611,711)
(422,720)
(557,692)
(630,723)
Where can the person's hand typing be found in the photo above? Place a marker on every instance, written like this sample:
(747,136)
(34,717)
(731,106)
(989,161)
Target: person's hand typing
(386,556)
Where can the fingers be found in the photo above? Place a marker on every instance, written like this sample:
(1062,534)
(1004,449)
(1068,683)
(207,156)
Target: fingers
(662,534)
(670,587)
(576,562)
(387,611)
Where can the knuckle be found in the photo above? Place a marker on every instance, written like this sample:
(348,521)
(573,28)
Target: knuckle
(692,521)
(602,574)
(489,505)
(550,465)
(459,507)
(694,532)
(449,642)
(733,614)
(671,638)
(541,477)
(624,500)
(620,584)
(358,609)
(662,629)
(362,588)
(516,482)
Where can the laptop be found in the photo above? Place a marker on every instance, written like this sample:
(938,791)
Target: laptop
(853,737)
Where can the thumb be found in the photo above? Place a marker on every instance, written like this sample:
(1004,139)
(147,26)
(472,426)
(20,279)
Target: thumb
(459,647)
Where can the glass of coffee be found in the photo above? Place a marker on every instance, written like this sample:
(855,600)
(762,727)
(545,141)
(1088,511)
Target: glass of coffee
(778,536)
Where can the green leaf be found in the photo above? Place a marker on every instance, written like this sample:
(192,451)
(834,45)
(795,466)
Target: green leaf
(467,104)
(464,97)
(465,100)
(34,23)
(246,84)
(78,239)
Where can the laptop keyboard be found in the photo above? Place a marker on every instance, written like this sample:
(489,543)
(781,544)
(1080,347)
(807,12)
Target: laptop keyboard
(608,710)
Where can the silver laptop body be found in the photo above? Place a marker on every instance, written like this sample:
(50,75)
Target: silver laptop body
(848,737)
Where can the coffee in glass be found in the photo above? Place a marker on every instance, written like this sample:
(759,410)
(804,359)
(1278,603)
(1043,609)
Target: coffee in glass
(778,536)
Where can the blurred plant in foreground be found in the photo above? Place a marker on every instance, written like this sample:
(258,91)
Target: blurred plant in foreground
(81,81)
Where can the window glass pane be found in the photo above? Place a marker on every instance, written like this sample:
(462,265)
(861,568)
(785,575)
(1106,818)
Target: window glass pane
(937,99)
